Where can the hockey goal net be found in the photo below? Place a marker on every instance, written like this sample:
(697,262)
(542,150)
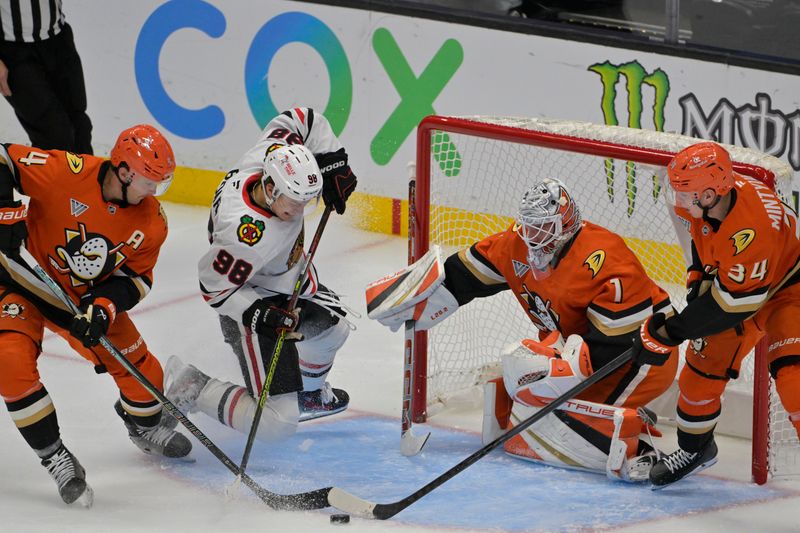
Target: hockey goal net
(471,173)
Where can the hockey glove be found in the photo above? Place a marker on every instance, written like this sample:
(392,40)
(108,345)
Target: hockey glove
(697,283)
(93,321)
(263,317)
(13,229)
(338,181)
(650,347)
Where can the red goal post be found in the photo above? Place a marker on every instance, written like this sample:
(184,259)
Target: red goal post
(470,175)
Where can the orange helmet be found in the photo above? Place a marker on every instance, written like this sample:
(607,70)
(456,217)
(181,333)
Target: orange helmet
(701,166)
(147,153)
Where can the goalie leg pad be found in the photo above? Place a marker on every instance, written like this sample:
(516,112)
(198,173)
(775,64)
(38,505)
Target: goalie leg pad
(497,406)
(583,435)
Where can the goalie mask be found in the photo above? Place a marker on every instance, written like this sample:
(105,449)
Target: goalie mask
(294,173)
(547,219)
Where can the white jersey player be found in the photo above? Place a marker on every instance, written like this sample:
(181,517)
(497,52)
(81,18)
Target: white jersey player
(256,231)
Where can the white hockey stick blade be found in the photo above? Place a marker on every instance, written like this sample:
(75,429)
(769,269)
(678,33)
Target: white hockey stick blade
(411,444)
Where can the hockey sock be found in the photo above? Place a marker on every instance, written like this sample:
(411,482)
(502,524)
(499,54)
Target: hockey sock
(232,406)
(787,382)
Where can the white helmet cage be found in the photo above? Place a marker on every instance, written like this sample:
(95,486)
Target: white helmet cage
(547,219)
(294,172)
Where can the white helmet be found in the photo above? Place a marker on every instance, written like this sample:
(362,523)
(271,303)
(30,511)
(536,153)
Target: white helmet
(295,173)
(547,219)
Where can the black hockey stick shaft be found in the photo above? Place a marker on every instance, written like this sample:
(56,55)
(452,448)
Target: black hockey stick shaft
(382,511)
(317,499)
(276,353)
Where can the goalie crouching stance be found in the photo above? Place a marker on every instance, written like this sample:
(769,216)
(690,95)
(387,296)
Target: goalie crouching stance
(574,279)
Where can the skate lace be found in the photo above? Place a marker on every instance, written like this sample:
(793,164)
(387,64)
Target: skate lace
(680,459)
(158,435)
(61,467)
(326,394)
(332,303)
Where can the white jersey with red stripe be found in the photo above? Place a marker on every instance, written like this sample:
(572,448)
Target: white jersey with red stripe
(254,253)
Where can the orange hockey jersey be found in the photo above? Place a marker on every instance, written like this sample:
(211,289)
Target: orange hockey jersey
(78,237)
(598,290)
(752,253)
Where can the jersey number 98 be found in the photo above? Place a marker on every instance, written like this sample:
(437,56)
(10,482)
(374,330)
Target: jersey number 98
(237,270)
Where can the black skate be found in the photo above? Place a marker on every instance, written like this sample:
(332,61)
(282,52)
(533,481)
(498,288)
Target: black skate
(70,477)
(158,440)
(324,402)
(680,464)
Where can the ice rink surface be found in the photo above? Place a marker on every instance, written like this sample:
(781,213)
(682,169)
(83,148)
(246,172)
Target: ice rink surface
(357,451)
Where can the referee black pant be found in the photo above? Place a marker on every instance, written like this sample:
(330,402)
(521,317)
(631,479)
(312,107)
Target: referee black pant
(48,92)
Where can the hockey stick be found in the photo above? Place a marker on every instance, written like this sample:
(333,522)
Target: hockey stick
(410,444)
(382,511)
(262,398)
(316,499)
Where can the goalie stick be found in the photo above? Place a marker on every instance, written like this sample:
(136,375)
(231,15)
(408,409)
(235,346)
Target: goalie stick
(410,444)
(382,511)
(316,499)
(262,398)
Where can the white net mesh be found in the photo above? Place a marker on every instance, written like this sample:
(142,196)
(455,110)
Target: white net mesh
(475,184)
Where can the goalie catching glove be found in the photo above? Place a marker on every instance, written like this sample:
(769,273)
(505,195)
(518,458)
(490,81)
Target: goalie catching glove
(415,293)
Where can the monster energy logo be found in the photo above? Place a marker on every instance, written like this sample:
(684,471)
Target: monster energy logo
(636,77)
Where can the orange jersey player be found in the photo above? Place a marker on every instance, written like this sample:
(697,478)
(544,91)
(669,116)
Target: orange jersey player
(575,280)
(96,228)
(742,287)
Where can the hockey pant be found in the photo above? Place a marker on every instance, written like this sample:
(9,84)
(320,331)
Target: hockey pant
(712,361)
(21,332)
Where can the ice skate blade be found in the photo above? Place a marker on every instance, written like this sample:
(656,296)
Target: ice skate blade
(703,466)
(86,499)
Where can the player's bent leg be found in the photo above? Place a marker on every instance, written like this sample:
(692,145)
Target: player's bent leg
(699,408)
(139,410)
(316,355)
(192,390)
(34,414)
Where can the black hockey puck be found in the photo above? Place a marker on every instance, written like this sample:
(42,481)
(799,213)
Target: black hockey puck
(340,519)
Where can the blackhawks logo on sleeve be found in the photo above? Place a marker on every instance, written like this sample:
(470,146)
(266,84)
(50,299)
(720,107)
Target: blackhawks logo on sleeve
(249,230)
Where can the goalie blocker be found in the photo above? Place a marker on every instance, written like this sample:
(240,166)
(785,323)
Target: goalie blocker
(581,435)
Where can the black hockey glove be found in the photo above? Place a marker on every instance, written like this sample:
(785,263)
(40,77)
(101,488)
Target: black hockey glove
(649,347)
(697,283)
(93,321)
(338,181)
(264,317)
(13,229)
